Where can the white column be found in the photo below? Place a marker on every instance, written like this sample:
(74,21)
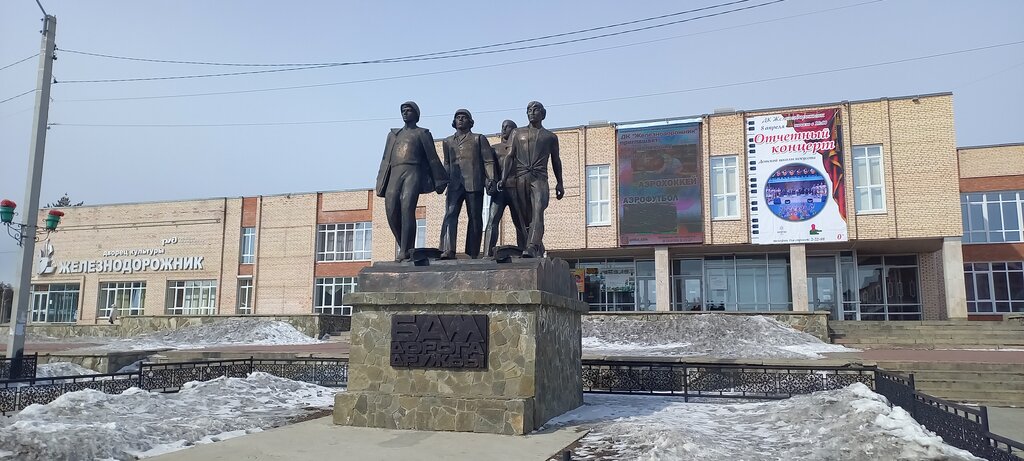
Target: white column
(798,276)
(953,278)
(662,279)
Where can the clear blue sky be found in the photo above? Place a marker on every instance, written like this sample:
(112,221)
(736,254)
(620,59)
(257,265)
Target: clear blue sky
(131,164)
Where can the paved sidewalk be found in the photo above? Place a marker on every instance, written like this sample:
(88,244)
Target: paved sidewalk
(320,439)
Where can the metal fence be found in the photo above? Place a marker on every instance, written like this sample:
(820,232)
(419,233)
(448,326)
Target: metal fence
(961,426)
(9,367)
(168,377)
(709,380)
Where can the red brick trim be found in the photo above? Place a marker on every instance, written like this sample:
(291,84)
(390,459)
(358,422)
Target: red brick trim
(249,206)
(339,269)
(985,252)
(992,183)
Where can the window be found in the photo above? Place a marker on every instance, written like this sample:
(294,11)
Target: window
(869,191)
(744,282)
(608,285)
(599,195)
(192,297)
(724,188)
(126,298)
(995,288)
(888,288)
(56,302)
(245,295)
(421,231)
(329,295)
(993,217)
(344,242)
(247,246)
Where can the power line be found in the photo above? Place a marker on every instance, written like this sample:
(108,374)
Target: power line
(430,58)
(17,96)
(423,74)
(19,61)
(592,101)
(398,58)
(985,77)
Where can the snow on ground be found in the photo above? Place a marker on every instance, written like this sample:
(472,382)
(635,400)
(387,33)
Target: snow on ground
(89,425)
(848,424)
(228,332)
(708,335)
(54,369)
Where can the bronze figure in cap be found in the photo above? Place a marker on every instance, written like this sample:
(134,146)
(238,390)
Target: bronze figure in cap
(410,167)
(470,163)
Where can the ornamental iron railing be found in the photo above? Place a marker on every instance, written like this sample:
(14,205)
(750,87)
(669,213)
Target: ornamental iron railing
(961,426)
(11,369)
(17,394)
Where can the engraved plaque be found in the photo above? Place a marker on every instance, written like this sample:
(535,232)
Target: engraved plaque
(439,341)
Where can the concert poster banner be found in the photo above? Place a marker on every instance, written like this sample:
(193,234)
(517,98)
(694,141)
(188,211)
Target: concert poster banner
(659,200)
(797,180)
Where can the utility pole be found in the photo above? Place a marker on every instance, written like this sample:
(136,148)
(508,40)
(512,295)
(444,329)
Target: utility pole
(23,271)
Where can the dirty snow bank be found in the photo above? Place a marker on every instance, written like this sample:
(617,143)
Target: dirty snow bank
(853,423)
(708,335)
(88,424)
(228,332)
(54,369)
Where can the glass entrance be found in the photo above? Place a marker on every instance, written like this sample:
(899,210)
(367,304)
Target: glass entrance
(821,285)
(40,301)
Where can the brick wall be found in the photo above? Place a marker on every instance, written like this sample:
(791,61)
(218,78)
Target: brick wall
(985,161)
(284,274)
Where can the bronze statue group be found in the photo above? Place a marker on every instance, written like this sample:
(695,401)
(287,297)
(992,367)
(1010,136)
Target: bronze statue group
(513,172)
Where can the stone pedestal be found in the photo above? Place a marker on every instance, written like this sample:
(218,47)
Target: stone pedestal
(533,352)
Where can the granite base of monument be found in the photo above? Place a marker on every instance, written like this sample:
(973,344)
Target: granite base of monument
(470,346)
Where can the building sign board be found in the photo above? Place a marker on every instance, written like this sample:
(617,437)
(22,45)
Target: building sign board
(439,341)
(797,183)
(125,261)
(659,185)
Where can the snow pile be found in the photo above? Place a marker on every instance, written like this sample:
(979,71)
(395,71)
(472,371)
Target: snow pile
(55,369)
(708,335)
(228,332)
(88,424)
(848,424)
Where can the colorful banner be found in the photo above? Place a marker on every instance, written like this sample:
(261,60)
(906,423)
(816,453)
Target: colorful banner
(797,180)
(659,185)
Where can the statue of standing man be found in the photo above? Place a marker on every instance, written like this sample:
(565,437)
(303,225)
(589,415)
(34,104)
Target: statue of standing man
(503,198)
(410,167)
(471,169)
(525,170)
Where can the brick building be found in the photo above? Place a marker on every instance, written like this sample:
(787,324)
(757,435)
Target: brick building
(893,253)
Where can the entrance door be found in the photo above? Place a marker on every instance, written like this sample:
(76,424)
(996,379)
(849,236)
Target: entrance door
(40,302)
(645,294)
(691,293)
(822,292)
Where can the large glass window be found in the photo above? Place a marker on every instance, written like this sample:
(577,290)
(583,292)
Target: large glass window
(995,288)
(245,290)
(868,185)
(247,246)
(344,242)
(55,302)
(889,288)
(608,285)
(993,217)
(124,298)
(746,282)
(599,195)
(421,230)
(329,295)
(192,297)
(724,188)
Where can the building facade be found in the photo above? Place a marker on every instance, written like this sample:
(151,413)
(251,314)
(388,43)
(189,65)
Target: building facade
(711,213)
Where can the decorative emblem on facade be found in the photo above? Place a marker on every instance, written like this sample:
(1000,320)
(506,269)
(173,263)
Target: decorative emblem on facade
(45,258)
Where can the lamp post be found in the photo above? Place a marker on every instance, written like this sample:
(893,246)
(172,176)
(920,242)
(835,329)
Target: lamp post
(23,270)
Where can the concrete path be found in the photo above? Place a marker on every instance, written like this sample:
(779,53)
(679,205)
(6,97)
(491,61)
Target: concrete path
(1007,422)
(320,440)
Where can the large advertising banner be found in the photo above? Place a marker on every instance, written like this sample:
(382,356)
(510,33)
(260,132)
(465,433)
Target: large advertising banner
(797,181)
(659,185)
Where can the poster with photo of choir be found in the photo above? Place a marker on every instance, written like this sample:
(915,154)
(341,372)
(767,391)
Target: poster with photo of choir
(797,181)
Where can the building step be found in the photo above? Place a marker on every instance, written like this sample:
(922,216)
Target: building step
(992,397)
(975,367)
(966,386)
